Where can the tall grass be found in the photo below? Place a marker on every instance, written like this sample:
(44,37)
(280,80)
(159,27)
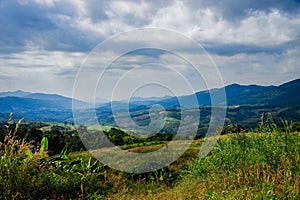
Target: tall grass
(16,164)
(261,165)
(27,173)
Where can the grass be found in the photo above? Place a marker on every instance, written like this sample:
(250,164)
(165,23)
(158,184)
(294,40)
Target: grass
(241,166)
(252,166)
(255,165)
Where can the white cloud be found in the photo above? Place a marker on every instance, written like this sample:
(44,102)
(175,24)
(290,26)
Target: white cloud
(261,28)
(138,9)
(40,71)
(43,42)
(48,3)
(208,25)
(260,68)
(92,21)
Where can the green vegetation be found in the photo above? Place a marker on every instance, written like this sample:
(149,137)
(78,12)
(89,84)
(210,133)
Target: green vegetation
(251,166)
(263,164)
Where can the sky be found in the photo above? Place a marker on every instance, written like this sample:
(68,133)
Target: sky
(45,43)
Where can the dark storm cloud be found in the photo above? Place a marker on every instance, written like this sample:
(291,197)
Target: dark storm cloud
(233,49)
(20,24)
(81,25)
(42,26)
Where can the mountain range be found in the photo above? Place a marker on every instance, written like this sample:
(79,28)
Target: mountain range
(249,99)
(245,104)
(38,106)
(287,93)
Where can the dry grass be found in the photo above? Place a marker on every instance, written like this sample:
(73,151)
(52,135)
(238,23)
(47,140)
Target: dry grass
(145,149)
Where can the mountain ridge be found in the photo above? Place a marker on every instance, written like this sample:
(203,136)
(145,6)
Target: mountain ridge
(59,108)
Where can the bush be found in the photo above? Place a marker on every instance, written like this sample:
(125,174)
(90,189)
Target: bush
(28,173)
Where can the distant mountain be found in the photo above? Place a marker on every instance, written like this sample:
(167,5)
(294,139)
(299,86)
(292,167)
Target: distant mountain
(243,95)
(38,106)
(142,99)
(18,93)
(288,94)
(246,100)
(62,101)
(133,104)
(245,104)
(21,105)
(246,94)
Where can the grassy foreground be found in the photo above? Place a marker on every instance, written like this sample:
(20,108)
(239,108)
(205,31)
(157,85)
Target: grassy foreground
(260,165)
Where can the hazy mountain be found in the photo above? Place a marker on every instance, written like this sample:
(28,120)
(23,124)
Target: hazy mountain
(62,101)
(250,99)
(142,99)
(38,106)
(18,93)
(59,100)
(23,105)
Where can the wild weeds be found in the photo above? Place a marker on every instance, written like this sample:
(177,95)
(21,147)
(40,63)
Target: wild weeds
(261,165)
(16,163)
(27,173)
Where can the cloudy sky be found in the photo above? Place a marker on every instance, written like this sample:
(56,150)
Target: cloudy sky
(44,42)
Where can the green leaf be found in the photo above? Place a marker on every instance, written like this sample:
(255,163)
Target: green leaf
(44,144)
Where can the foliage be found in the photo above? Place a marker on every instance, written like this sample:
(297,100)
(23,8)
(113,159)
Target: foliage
(17,160)
(27,173)
(264,164)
